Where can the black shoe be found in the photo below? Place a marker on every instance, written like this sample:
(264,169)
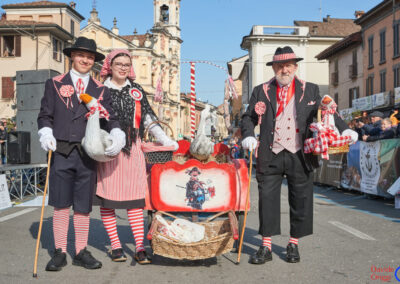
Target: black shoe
(142,258)
(117,255)
(58,261)
(84,258)
(292,253)
(261,256)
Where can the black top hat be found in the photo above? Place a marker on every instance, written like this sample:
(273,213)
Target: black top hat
(194,169)
(84,44)
(284,54)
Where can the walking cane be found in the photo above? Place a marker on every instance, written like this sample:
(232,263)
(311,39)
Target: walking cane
(41,216)
(245,210)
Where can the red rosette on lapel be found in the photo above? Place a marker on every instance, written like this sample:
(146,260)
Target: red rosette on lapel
(260,109)
(67,91)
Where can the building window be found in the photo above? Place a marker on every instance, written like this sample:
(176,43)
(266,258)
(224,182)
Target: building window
(382,75)
(57,49)
(336,98)
(7,88)
(353,72)
(73,28)
(370,85)
(382,41)
(335,74)
(354,93)
(10,46)
(370,52)
(396,49)
(396,75)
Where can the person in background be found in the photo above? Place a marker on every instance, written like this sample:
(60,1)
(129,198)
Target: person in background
(3,141)
(374,128)
(358,127)
(387,132)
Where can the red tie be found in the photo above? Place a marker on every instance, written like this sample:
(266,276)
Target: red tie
(80,87)
(282,99)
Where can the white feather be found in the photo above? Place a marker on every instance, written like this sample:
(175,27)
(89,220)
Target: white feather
(96,139)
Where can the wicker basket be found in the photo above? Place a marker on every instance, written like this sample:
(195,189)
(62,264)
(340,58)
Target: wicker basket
(333,150)
(163,153)
(218,240)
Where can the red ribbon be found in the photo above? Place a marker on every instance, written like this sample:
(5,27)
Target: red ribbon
(98,107)
(260,110)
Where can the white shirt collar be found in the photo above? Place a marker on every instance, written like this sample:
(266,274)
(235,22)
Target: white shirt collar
(111,85)
(75,75)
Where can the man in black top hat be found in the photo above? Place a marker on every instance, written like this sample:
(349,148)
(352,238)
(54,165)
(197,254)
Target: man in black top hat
(284,107)
(62,125)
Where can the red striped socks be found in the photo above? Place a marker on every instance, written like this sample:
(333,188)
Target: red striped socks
(135,218)
(81,226)
(60,228)
(293,241)
(266,242)
(110,224)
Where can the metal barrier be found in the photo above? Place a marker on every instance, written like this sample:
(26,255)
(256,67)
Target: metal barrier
(24,180)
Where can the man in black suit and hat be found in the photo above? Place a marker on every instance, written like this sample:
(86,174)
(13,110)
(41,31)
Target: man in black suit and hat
(62,125)
(284,107)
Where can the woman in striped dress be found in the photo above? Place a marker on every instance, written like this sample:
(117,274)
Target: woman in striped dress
(122,182)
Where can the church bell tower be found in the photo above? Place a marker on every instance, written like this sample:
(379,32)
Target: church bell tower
(166,15)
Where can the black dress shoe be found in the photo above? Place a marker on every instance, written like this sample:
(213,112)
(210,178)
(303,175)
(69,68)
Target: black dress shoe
(58,261)
(118,255)
(292,253)
(142,258)
(261,256)
(85,259)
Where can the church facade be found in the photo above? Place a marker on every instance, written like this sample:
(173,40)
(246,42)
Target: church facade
(156,57)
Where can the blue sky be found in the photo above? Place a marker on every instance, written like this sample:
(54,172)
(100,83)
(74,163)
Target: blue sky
(213,29)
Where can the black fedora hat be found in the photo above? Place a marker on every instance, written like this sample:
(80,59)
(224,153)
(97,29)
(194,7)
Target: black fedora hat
(284,54)
(84,44)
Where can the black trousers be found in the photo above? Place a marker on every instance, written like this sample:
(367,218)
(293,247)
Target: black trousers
(300,195)
(72,181)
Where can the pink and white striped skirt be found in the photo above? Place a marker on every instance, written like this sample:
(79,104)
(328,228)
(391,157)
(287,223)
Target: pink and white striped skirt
(123,178)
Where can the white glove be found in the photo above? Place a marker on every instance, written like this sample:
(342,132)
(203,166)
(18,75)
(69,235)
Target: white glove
(117,136)
(159,134)
(352,134)
(250,143)
(46,139)
(171,142)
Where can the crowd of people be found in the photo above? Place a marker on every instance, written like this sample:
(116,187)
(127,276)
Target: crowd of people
(376,126)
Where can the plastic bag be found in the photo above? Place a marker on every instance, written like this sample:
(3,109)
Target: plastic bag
(181,230)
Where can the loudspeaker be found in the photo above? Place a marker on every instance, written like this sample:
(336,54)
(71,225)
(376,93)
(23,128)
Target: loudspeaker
(19,147)
(30,87)
(30,90)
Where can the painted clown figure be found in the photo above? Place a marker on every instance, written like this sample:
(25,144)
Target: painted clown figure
(195,192)
(62,125)
(284,107)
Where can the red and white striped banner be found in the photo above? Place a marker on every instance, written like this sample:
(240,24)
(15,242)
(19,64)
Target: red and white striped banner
(192,100)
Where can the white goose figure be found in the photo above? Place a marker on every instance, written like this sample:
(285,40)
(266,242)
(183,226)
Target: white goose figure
(201,146)
(96,139)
